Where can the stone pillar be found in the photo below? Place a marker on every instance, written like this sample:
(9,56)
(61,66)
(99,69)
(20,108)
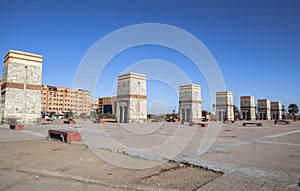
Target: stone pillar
(224,106)
(276,112)
(190,103)
(131,103)
(248,108)
(264,108)
(21,89)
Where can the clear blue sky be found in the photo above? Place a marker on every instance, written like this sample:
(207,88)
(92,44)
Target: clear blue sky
(256,43)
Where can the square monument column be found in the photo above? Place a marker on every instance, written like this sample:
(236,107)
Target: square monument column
(21,89)
(276,112)
(264,108)
(190,103)
(248,108)
(224,106)
(131,103)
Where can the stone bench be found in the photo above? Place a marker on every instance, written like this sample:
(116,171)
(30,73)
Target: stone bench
(284,122)
(64,136)
(230,121)
(253,123)
(197,123)
(16,126)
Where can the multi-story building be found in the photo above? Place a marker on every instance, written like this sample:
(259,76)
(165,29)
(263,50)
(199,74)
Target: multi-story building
(263,109)
(276,110)
(60,100)
(106,105)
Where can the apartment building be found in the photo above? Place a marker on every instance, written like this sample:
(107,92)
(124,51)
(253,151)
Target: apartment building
(60,100)
(106,105)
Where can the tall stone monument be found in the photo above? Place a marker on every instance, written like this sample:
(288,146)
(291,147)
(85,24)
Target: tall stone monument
(190,103)
(131,103)
(224,106)
(264,108)
(248,108)
(276,111)
(21,89)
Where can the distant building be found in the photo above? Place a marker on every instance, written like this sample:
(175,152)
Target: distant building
(224,106)
(248,108)
(60,100)
(276,110)
(263,109)
(190,108)
(21,88)
(106,105)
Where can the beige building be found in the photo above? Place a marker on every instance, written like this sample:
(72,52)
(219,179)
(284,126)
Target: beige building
(276,110)
(60,100)
(224,106)
(106,105)
(190,108)
(131,103)
(263,109)
(248,108)
(21,88)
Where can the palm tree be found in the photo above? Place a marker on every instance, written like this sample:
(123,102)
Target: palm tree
(236,112)
(293,108)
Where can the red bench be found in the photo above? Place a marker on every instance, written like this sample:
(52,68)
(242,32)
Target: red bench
(70,122)
(17,126)
(64,136)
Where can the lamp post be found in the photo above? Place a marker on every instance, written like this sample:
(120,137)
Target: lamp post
(24,96)
(139,103)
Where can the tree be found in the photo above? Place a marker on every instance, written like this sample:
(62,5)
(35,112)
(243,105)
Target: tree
(293,108)
(236,112)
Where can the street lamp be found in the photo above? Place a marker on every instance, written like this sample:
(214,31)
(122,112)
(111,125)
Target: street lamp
(139,103)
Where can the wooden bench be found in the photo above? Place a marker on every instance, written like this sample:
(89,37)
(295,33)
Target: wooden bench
(16,126)
(64,136)
(284,122)
(253,123)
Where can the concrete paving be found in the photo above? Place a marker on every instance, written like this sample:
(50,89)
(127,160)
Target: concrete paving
(251,158)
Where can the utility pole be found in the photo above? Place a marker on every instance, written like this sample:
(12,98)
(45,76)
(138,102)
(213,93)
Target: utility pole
(139,103)
(24,96)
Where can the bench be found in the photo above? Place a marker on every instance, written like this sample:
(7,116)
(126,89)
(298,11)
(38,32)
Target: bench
(70,122)
(64,136)
(284,122)
(200,124)
(16,126)
(230,121)
(253,123)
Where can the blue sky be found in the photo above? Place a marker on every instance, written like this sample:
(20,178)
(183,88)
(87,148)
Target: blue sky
(256,43)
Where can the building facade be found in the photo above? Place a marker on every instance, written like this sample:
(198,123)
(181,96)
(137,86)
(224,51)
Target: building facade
(60,100)
(264,109)
(248,108)
(131,103)
(21,88)
(276,110)
(106,105)
(190,103)
(224,106)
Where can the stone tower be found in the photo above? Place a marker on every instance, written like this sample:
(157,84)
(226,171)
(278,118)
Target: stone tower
(21,88)
(131,103)
(224,106)
(190,103)
(264,108)
(248,108)
(276,111)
